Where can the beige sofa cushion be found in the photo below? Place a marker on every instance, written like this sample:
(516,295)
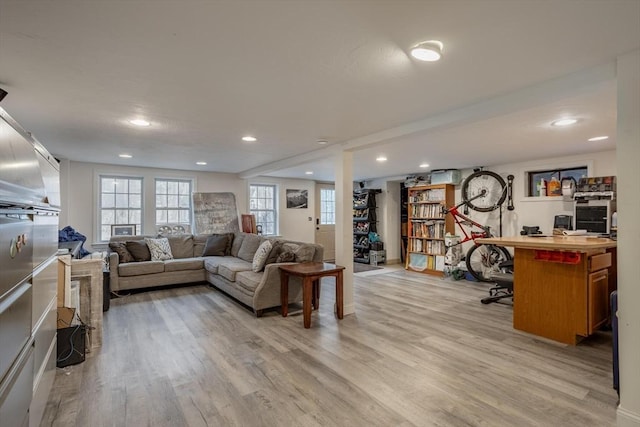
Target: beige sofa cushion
(142,267)
(211,264)
(181,245)
(183,264)
(231,266)
(249,280)
(237,243)
(250,245)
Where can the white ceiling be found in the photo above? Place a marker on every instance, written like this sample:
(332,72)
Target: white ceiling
(205,73)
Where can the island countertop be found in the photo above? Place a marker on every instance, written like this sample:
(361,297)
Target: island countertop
(571,243)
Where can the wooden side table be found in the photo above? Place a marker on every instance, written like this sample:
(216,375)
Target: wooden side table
(310,273)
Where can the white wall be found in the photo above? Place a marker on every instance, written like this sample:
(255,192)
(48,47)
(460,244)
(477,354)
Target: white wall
(628,156)
(79,194)
(530,211)
(294,224)
(541,210)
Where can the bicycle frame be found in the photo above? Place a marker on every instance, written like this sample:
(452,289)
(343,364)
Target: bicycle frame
(461,220)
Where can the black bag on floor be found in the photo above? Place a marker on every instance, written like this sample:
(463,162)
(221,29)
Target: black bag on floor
(71,345)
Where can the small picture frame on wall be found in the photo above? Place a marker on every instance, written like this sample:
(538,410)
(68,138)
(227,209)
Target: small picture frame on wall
(123,230)
(297,199)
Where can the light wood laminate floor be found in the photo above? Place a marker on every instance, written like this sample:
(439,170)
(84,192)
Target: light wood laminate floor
(419,351)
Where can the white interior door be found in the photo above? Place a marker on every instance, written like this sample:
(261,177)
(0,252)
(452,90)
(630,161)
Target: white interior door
(326,219)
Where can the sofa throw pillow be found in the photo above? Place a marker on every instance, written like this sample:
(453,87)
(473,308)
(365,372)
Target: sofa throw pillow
(276,250)
(123,253)
(261,255)
(286,256)
(304,253)
(138,250)
(216,245)
(159,248)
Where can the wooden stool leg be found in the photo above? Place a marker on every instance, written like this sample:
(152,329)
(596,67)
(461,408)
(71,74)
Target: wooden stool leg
(284,293)
(339,296)
(316,294)
(307,291)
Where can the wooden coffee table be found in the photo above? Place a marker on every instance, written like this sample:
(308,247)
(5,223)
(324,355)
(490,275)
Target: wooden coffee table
(310,273)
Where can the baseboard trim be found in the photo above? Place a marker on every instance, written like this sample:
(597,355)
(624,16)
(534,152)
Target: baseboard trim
(349,309)
(627,418)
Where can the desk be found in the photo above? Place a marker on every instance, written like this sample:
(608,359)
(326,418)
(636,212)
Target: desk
(310,273)
(561,284)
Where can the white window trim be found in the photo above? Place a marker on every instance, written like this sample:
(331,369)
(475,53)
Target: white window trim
(276,204)
(97,204)
(174,178)
(549,166)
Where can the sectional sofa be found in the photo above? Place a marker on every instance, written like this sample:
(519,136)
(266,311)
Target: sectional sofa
(232,270)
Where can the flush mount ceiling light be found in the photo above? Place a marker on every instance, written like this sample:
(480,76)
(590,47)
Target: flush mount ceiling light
(308,173)
(381,159)
(249,138)
(322,142)
(201,163)
(424,165)
(125,156)
(598,138)
(140,122)
(430,50)
(564,122)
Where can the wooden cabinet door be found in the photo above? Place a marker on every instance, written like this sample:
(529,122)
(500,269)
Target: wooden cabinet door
(598,299)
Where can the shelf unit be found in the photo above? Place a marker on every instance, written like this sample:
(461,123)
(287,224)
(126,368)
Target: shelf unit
(364,222)
(427,227)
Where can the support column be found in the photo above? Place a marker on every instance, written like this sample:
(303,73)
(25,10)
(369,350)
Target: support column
(627,159)
(344,223)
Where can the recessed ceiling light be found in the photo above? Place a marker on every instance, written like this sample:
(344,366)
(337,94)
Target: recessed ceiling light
(140,122)
(429,51)
(308,173)
(322,141)
(598,138)
(381,159)
(424,165)
(249,138)
(125,156)
(201,163)
(564,122)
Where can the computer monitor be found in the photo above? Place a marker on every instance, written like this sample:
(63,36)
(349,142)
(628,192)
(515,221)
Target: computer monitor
(563,221)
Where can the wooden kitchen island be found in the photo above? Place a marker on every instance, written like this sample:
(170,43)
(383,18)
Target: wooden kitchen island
(561,284)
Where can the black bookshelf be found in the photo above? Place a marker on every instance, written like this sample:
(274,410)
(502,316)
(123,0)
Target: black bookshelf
(364,222)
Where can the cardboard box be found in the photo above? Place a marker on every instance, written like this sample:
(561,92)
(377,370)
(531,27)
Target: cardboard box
(65,316)
(449,176)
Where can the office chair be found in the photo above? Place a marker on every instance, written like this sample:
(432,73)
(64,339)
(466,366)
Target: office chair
(503,283)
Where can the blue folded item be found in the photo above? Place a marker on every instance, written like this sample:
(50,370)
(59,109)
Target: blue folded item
(68,234)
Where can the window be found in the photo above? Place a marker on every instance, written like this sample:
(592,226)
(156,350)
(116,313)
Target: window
(120,203)
(262,204)
(327,206)
(173,202)
(535,177)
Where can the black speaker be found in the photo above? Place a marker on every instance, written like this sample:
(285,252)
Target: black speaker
(3,93)
(71,345)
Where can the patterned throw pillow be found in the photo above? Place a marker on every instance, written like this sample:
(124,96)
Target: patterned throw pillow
(276,250)
(123,253)
(159,248)
(261,255)
(304,253)
(286,256)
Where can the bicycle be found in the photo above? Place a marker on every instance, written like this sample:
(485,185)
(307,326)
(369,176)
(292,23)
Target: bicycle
(482,191)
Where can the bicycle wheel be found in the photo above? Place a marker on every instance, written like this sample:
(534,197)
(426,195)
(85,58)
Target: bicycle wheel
(494,187)
(484,260)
